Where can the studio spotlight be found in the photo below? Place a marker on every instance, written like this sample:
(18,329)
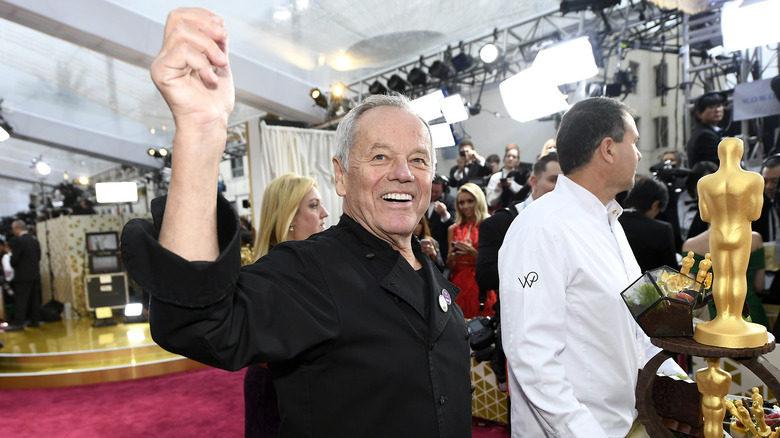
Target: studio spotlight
(157,153)
(377,88)
(396,84)
(439,70)
(488,53)
(151,152)
(462,61)
(417,77)
(319,98)
(163,152)
(337,90)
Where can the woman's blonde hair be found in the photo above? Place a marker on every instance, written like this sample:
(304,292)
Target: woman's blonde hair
(281,199)
(480,209)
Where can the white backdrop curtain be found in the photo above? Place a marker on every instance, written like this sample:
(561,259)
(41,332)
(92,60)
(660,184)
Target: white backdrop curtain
(282,149)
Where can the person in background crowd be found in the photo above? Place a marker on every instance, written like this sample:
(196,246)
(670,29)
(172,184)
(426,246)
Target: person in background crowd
(470,167)
(682,210)
(291,210)
(573,347)
(651,240)
(549,146)
(430,246)
(359,299)
(25,259)
(504,185)
(441,211)
(495,163)
(706,136)
(768,225)
(463,250)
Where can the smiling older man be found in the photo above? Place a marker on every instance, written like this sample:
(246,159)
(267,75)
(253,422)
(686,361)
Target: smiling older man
(359,328)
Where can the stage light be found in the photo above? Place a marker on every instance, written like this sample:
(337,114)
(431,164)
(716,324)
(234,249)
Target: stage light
(427,107)
(396,84)
(745,25)
(441,134)
(163,152)
(42,168)
(116,192)
(134,313)
(453,109)
(462,61)
(377,88)
(530,95)
(417,77)
(337,90)
(488,53)
(151,152)
(4,134)
(567,62)
(318,97)
(439,70)
(134,309)
(104,316)
(83,180)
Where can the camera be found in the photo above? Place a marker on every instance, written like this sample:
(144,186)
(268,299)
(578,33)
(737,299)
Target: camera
(503,180)
(463,153)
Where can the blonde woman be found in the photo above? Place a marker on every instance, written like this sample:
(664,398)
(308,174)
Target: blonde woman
(463,236)
(292,210)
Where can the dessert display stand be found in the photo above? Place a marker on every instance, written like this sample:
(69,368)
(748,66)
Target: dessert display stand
(657,419)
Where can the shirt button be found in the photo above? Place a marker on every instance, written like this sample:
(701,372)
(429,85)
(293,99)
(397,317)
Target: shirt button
(443,400)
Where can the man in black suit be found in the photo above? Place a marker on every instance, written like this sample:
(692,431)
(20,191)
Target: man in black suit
(25,259)
(471,167)
(441,211)
(651,240)
(682,210)
(704,141)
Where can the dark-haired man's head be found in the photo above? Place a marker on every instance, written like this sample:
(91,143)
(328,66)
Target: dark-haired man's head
(649,196)
(545,175)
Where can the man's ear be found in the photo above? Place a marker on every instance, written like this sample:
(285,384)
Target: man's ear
(341,177)
(606,150)
(533,181)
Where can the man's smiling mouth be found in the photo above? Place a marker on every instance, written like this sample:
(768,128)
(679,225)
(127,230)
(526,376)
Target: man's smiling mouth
(397,197)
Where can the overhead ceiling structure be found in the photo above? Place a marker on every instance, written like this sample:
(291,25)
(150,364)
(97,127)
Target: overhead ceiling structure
(76,88)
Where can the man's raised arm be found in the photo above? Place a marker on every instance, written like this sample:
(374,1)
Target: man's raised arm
(193,75)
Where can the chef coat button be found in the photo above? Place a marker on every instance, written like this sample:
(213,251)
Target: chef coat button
(443,400)
(433,345)
(370,256)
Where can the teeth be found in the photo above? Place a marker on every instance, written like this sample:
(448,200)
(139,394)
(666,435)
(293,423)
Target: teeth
(397,197)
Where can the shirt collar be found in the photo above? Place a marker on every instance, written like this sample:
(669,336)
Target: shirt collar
(612,210)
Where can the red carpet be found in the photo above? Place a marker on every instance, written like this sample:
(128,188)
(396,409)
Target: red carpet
(204,402)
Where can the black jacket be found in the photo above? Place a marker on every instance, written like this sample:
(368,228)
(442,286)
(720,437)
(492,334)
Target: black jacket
(703,145)
(491,236)
(25,258)
(651,240)
(356,340)
(439,228)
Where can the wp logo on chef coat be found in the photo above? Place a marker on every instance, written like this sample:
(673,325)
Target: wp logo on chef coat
(529,280)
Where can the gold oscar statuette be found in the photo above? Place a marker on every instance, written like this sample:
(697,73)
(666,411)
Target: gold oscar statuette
(730,199)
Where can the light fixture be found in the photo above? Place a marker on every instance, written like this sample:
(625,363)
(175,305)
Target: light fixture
(417,77)
(427,107)
(441,134)
(318,97)
(462,61)
(337,90)
(104,317)
(134,313)
(65,175)
(439,70)
(377,88)
(453,109)
(530,95)
(83,180)
(396,83)
(157,153)
(116,192)
(4,134)
(42,168)
(748,24)
(567,62)
(488,53)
